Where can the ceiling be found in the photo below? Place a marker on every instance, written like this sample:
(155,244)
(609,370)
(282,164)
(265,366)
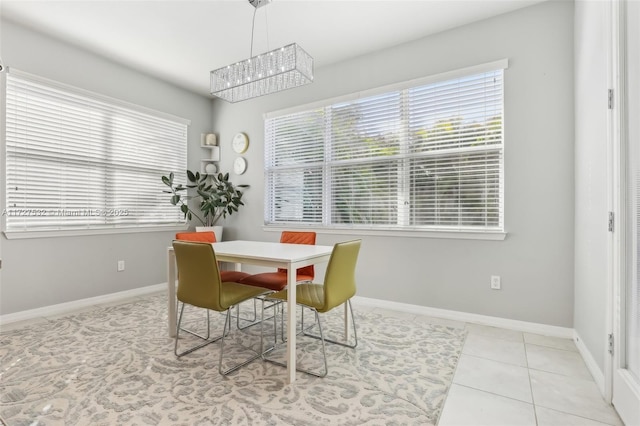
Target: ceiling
(181,41)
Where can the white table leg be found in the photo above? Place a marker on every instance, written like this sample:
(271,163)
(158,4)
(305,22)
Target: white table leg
(291,325)
(171,290)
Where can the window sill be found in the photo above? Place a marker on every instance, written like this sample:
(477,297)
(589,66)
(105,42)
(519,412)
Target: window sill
(18,235)
(417,233)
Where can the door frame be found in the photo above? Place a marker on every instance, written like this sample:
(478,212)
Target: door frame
(620,389)
(615,201)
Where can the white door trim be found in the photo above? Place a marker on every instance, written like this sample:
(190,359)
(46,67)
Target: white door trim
(620,387)
(614,183)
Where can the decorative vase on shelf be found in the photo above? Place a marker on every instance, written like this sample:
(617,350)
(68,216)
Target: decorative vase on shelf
(210,139)
(210,168)
(217,230)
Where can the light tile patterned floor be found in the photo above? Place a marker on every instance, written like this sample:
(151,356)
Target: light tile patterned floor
(510,378)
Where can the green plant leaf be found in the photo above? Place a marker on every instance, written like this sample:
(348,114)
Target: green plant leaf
(215,196)
(204,194)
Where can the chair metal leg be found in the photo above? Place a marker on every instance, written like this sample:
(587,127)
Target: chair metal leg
(324,354)
(207,341)
(355,332)
(275,332)
(302,327)
(255,315)
(193,332)
(242,364)
(255,320)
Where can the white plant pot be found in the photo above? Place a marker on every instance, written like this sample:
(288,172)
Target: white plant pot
(216,230)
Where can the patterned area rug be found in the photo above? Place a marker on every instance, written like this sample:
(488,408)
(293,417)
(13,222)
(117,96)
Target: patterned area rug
(115,366)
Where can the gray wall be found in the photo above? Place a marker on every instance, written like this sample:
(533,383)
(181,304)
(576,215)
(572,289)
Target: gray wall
(591,84)
(46,271)
(536,259)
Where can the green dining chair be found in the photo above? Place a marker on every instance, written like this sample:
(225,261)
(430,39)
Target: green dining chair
(225,276)
(338,288)
(199,285)
(210,237)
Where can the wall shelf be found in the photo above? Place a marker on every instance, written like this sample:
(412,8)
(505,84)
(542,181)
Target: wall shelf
(214,153)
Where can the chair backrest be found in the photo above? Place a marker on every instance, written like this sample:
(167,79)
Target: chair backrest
(205,237)
(302,237)
(198,275)
(340,277)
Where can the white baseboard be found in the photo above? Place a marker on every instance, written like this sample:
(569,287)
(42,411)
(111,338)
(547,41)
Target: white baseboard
(63,308)
(592,365)
(528,327)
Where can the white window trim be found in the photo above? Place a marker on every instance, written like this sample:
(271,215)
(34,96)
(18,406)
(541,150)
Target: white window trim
(3,149)
(95,95)
(19,235)
(493,235)
(393,232)
(476,69)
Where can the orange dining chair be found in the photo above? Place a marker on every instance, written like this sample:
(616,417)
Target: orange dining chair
(277,281)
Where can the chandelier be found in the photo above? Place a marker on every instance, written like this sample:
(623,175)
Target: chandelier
(280,69)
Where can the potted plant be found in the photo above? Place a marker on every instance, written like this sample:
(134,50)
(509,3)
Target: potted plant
(215,196)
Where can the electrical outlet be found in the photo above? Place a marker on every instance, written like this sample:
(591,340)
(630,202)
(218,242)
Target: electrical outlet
(495,282)
(120,265)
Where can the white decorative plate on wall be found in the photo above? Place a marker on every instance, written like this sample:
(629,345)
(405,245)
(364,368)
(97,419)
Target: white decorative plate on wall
(239,165)
(240,143)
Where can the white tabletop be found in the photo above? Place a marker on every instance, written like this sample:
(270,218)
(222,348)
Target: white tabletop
(270,252)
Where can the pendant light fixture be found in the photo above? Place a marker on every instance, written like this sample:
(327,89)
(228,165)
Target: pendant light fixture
(280,69)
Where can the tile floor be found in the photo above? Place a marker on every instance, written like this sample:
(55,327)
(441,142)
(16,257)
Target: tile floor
(509,378)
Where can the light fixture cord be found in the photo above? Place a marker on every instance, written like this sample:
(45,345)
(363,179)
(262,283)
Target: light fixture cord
(266,26)
(253,27)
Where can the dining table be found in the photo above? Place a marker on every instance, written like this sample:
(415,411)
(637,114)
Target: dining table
(259,253)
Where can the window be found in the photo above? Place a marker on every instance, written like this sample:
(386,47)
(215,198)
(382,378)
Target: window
(425,156)
(77,160)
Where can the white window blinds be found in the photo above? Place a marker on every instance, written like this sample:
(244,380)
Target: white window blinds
(426,156)
(77,160)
